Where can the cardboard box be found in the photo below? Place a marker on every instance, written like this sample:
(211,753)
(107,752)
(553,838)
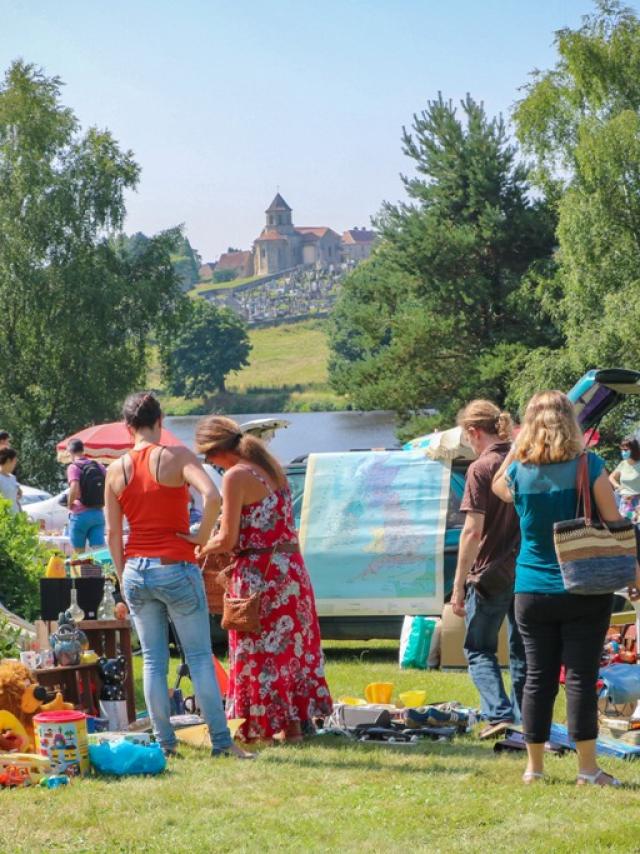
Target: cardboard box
(452,641)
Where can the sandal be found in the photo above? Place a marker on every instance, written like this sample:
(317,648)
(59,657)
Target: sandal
(600,778)
(531,776)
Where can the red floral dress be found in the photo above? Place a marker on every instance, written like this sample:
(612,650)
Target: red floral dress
(277,676)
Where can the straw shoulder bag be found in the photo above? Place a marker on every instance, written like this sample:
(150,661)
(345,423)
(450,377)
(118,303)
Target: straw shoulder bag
(594,557)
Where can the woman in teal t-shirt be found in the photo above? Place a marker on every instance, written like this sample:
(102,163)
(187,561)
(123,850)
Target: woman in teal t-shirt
(539,477)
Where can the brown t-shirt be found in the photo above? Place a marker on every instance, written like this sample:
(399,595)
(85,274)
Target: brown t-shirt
(501,529)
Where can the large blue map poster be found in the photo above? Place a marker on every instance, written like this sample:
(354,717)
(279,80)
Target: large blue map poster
(372,532)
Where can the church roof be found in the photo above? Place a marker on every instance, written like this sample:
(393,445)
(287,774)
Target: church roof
(358,235)
(271,234)
(234,260)
(315,231)
(278,204)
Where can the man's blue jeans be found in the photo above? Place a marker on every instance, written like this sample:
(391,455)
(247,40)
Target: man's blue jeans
(155,593)
(483,620)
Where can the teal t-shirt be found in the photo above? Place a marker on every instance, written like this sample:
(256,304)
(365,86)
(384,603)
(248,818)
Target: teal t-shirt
(543,495)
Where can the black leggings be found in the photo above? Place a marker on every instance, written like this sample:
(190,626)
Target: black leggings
(561,629)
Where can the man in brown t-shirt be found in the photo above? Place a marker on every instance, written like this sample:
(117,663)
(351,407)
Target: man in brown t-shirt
(483,586)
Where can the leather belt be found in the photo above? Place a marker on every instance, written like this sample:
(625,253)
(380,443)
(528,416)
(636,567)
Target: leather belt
(283,548)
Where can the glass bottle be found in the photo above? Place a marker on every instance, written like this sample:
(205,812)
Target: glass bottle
(74,610)
(107,607)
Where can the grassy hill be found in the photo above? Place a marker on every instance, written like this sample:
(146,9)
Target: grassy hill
(287,373)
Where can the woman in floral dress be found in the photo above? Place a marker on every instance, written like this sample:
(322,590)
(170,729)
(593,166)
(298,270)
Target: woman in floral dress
(277,677)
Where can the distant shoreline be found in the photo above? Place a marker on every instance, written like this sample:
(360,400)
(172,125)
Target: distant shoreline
(286,399)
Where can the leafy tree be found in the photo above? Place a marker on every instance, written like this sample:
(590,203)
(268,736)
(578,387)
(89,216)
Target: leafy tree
(22,560)
(184,259)
(186,262)
(77,308)
(581,122)
(210,344)
(446,307)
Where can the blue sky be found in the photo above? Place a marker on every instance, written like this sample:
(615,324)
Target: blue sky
(223,102)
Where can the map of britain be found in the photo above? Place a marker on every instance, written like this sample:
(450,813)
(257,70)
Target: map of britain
(372,531)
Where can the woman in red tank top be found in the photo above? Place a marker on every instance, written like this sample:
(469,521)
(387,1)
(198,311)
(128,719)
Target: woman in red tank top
(158,575)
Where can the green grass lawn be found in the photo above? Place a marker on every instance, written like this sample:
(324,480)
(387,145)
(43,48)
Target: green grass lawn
(331,795)
(289,354)
(287,372)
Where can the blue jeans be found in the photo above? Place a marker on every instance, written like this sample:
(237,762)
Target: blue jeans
(155,593)
(87,526)
(483,620)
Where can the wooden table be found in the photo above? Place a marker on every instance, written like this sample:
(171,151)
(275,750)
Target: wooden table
(79,684)
(112,638)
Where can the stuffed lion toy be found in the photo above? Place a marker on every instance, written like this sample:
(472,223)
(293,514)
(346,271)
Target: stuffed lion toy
(21,695)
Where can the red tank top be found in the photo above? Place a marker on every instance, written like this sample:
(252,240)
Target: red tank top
(155,514)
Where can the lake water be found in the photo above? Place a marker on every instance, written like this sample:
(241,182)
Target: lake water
(312,431)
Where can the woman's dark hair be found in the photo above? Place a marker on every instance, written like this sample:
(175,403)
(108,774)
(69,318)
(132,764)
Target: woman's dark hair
(632,444)
(141,409)
(7,454)
(218,434)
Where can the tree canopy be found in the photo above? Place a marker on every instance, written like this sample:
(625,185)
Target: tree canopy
(497,279)
(581,122)
(77,308)
(184,258)
(209,344)
(446,307)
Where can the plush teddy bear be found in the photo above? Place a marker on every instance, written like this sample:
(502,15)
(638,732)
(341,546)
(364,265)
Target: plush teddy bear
(112,673)
(20,694)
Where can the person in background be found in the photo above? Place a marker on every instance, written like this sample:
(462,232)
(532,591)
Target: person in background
(483,585)
(86,498)
(5,440)
(9,486)
(157,571)
(539,477)
(277,681)
(625,478)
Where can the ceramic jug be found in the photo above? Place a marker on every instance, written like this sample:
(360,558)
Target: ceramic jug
(67,643)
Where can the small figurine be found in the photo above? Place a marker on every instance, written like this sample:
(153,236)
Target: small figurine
(68,641)
(112,673)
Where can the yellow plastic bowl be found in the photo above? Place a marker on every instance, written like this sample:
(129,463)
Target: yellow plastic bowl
(352,701)
(411,699)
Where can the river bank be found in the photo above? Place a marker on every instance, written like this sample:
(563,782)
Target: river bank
(262,401)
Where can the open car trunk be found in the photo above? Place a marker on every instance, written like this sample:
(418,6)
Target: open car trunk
(598,392)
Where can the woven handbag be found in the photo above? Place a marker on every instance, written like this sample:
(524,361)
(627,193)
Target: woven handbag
(594,557)
(214,573)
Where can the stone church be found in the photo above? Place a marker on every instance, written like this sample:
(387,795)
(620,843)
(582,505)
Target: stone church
(282,245)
